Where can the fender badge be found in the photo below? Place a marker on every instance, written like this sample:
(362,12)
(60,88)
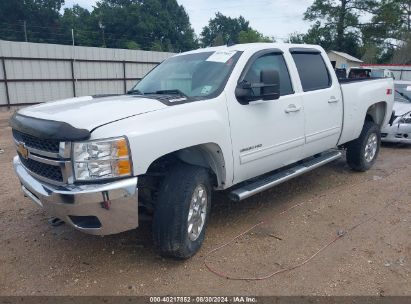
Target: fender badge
(23,151)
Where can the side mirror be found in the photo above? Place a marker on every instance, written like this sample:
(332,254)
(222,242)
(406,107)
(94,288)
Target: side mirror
(267,89)
(271,84)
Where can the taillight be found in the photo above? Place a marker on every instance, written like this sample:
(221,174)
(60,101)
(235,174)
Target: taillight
(389,91)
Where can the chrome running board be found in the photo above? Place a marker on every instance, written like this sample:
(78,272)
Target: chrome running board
(267,181)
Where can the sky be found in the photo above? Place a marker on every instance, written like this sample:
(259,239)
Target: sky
(273,18)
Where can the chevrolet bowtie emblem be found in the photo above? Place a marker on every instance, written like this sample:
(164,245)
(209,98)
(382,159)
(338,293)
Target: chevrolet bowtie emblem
(21,148)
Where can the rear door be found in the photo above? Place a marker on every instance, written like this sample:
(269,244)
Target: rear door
(322,99)
(269,134)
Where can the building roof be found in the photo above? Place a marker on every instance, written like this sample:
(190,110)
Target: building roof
(346,56)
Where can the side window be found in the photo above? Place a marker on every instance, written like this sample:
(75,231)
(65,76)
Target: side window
(313,72)
(270,61)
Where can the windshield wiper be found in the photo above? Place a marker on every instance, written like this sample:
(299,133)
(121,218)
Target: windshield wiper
(135,92)
(403,95)
(168,92)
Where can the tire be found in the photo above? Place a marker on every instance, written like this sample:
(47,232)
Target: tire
(363,152)
(177,200)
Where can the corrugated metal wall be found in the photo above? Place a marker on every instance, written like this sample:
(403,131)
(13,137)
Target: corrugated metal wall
(43,72)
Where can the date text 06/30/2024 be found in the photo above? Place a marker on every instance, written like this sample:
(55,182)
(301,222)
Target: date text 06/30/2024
(199,299)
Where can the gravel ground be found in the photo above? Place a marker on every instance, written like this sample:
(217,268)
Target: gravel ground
(374,259)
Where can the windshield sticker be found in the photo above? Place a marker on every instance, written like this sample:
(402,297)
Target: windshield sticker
(409,88)
(221,56)
(206,90)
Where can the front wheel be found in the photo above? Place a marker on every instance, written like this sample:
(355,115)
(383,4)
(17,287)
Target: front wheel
(181,212)
(362,152)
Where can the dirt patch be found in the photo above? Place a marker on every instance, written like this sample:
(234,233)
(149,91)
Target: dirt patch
(375,259)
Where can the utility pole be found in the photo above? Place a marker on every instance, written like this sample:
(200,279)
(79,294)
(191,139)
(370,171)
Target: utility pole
(102,27)
(73,61)
(25,29)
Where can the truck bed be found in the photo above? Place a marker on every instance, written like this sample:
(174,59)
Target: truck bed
(368,91)
(351,80)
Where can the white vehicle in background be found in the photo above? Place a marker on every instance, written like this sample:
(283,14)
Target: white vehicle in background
(242,118)
(359,72)
(399,128)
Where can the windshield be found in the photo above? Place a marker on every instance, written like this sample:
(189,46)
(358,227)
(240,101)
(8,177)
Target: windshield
(192,75)
(403,92)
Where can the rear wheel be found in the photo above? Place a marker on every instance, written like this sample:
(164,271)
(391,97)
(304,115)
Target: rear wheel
(363,152)
(181,212)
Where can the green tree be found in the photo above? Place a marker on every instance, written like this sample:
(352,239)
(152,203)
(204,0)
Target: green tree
(218,40)
(296,37)
(251,36)
(147,24)
(152,24)
(402,55)
(85,27)
(371,53)
(226,27)
(339,20)
(406,13)
(392,20)
(320,35)
(404,8)
(389,28)
(41,17)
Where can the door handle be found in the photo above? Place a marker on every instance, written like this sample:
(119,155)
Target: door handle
(292,108)
(333,99)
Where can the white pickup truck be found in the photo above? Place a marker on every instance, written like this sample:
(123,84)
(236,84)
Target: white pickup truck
(243,118)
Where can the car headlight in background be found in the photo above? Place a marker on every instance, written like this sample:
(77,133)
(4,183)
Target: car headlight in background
(101,159)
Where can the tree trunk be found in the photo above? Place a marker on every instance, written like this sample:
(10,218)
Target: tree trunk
(341,24)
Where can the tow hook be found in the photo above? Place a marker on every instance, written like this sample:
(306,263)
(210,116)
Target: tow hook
(106,204)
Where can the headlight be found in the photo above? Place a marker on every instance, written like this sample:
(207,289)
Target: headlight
(101,159)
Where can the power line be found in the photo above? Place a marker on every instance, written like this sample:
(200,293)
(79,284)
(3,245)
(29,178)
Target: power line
(68,31)
(60,40)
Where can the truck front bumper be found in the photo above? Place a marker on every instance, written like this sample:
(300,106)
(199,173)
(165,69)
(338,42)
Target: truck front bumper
(99,209)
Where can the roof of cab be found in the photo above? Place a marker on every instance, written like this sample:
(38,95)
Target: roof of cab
(254,47)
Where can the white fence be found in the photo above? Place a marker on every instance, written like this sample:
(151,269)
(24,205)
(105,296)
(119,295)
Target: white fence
(33,72)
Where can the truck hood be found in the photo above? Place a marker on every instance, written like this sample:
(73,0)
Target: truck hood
(401,108)
(90,112)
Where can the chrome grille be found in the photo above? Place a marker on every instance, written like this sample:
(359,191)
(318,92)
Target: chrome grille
(45,159)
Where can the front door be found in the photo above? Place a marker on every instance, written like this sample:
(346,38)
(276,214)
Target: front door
(266,135)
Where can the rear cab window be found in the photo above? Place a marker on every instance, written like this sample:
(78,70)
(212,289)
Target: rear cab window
(313,71)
